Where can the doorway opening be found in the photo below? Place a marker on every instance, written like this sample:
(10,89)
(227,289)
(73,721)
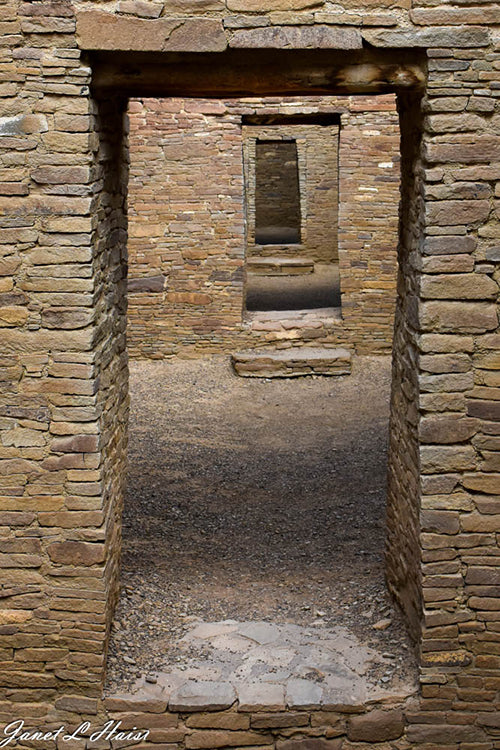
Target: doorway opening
(164,503)
(277,197)
(291,185)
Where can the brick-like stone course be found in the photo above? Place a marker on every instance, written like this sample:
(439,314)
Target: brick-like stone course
(242,725)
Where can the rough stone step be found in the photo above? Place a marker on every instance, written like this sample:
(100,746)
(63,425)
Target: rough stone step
(280,266)
(289,363)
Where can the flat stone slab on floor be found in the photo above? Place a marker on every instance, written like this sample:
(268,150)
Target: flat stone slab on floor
(287,363)
(275,266)
(206,695)
(267,666)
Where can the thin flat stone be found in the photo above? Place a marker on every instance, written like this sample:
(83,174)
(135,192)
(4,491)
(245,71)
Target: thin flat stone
(339,698)
(147,284)
(140,702)
(292,362)
(261,696)
(231,643)
(260,632)
(303,694)
(204,696)
(211,630)
(298,37)
(270,266)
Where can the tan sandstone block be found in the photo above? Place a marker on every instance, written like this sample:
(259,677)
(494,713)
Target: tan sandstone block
(455,501)
(310,743)
(13,316)
(77,704)
(219,720)
(480,482)
(126,702)
(261,6)
(99,30)
(459,286)
(446,458)
(71,519)
(193,6)
(445,363)
(76,444)
(477,522)
(447,429)
(376,726)
(444,343)
(205,739)
(14,616)
(68,224)
(458,317)
(465,150)
(141,8)
(460,16)
(440,521)
(490,361)
(168,720)
(452,213)
(298,37)
(76,553)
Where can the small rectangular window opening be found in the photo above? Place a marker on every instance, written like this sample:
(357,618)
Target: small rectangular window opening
(277,193)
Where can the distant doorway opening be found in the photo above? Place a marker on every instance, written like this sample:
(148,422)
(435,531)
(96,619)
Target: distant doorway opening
(277,196)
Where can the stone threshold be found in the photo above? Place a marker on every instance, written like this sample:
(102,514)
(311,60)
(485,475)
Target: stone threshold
(273,266)
(264,684)
(292,362)
(275,320)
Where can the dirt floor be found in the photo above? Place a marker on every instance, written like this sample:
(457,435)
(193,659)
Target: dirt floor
(253,500)
(303,292)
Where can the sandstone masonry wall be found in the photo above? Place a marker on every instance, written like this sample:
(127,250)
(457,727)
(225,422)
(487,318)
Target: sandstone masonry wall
(317,156)
(188,233)
(61,373)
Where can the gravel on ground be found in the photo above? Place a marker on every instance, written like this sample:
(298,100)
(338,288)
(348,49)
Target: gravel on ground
(253,499)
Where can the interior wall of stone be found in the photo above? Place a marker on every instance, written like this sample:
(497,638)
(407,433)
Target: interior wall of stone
(369,196)
(188,234)
(317,156)
(403,550)
(105,486)
(64,419)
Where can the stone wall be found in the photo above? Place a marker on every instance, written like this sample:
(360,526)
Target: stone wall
(188,233)
(249,722)
(58,198)
(317,157)
(404,554)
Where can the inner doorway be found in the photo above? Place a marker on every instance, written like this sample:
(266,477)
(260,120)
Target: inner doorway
(292,196)
(407,187)
(277,193)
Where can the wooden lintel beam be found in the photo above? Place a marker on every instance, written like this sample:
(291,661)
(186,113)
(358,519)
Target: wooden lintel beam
(238,73)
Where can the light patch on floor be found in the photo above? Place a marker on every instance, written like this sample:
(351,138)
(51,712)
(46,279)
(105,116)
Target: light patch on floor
(288,665)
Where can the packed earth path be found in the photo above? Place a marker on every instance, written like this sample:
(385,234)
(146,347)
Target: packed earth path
(253,500)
